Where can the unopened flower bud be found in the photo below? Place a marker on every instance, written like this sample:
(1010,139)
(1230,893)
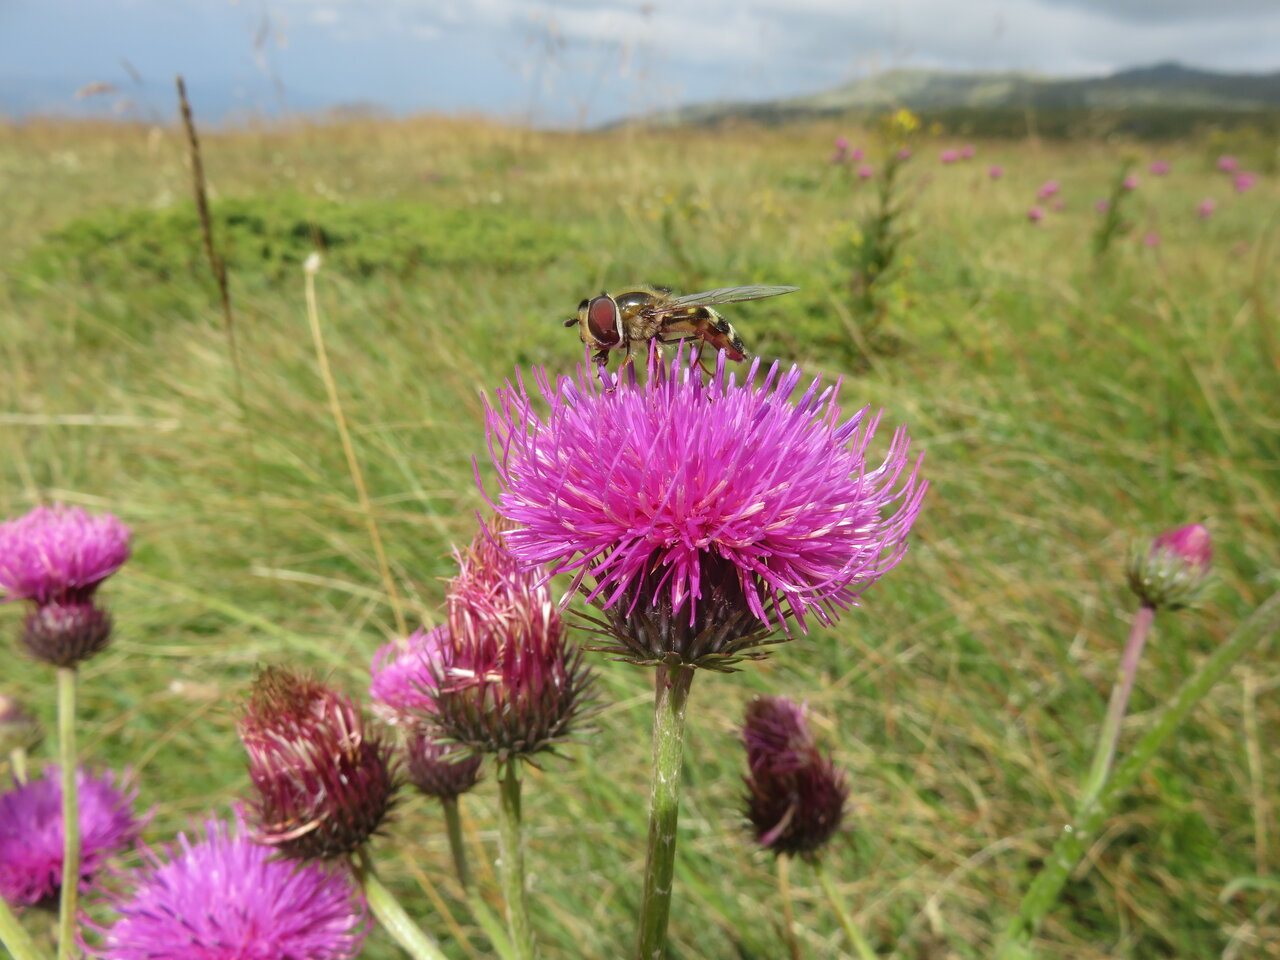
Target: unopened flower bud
(439,769)
(18,730)
(324,781)
(1172,572)
(795,795)
(63,634)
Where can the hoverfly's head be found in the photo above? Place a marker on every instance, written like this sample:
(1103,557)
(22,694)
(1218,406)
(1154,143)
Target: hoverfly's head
(600,322)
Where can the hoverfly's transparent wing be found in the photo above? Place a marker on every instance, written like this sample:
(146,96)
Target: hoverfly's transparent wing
(710,298)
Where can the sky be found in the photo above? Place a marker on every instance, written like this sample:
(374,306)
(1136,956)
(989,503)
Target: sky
(576,62)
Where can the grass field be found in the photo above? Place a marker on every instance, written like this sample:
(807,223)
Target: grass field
(1065,406)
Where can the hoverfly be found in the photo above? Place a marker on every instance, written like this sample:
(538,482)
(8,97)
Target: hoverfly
(614,323)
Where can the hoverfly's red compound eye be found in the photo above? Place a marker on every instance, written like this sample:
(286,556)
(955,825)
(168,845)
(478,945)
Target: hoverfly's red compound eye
(604,320)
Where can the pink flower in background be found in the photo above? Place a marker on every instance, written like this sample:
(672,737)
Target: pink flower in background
(1205,210)
(1059,204)
(866,172)
(1102,205)
(949,156)
(995,171)
(1035,214)
(1151,239)
(904,153)
(31,833)
(1158,168)
(1047,190)
(856,154)
(403,676)
(1130,182)
(842,150)
(1244,181)
(1228,164)
(967,151)
(225,897)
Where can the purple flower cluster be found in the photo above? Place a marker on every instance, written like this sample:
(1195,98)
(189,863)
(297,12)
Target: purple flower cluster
(31,834)
(224,897)
(1173,571)
(795,794)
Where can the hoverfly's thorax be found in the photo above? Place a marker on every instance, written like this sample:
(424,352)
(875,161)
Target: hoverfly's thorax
(604,322)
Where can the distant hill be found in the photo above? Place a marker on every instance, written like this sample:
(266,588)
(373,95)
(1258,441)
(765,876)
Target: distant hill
(1162,87)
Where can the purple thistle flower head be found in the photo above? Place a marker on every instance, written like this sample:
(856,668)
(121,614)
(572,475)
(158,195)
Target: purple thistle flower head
(1035,214)
(31,834)
(842,144)
(866,171)
(324,781)
(1228,164)
(995,171)
(707,514)
(856,154)
(904,154)
(64,633)
(224,897)
(949,155)
(513,684)
(1206,208)
(403,676)
(967,151)
(1130,182)
(60,554)
(1047,190)
(795,794)
(1158,168)
(438,768)
(1173,571)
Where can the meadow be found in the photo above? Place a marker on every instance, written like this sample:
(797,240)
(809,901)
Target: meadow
(1068,406)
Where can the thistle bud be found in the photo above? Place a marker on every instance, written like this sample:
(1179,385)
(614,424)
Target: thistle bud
(64,634)
(324,781)
(1173,571)
(512,683)
(440,769)
(795,795)
(18,730)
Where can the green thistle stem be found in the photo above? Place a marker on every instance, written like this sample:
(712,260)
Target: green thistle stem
(788,913)
(14,938)
(18,763)
(1109,735)
(856,939)
(1043,893)
(670,697)
(453,822)
(392,915)
(70,813)
(511,847)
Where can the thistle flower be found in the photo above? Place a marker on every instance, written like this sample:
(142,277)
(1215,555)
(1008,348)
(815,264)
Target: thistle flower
(60,554)
(1047,190)
(1206,208)
(842,150)
(949,156)
(995,171)
(1228,164)
(795,795)
(224,897)
(1158,168)
(1130,182)
(31,834)
(1035,214)
(904,153)
(1151,239)
(440,769)
(513,684)
(403,676)
(707,514)
(1102,205)
(324,782)
(1244,181)
(1173,571)
(856,154)
(866,171)
(967,151)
